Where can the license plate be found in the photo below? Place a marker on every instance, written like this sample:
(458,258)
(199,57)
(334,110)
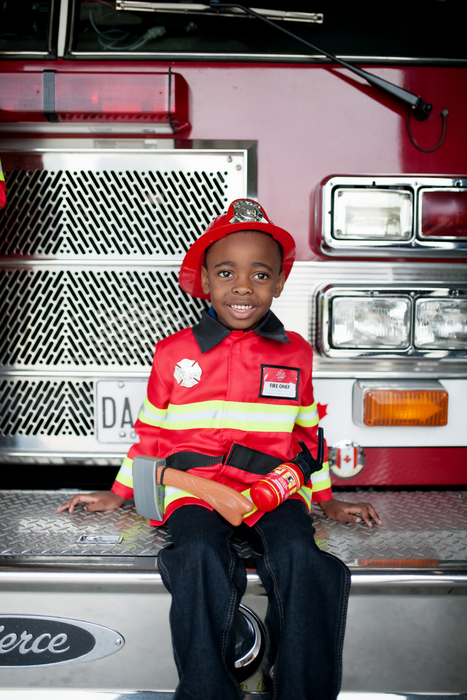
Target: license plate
(117,407)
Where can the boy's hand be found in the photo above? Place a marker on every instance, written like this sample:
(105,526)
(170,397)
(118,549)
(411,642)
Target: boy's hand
(350,512)
(100,500)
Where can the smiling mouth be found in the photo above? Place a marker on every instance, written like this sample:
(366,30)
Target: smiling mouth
(241,308)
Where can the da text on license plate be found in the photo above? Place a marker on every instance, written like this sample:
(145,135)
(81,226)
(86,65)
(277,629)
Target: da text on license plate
(118,404)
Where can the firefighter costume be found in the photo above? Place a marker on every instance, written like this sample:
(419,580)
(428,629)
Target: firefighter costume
(213,391)
(230,405)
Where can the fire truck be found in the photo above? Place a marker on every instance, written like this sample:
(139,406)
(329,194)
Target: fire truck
(125,127)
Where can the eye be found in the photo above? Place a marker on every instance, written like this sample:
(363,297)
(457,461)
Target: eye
(262,276)
(225,274)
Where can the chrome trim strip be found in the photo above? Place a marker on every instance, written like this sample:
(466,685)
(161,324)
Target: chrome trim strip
(57,576)
(62,28)
(84,694)
(178,55)
(28,54)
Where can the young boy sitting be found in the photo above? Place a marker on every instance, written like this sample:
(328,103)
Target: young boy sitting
(228,400)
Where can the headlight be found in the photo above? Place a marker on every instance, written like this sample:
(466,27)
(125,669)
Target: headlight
(441,323)
(372,214)
(392,322)
(370,323)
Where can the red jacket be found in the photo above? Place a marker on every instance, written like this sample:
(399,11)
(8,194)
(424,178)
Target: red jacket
(211,387)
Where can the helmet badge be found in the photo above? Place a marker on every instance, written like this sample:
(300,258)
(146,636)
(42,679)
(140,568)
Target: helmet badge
(245,210)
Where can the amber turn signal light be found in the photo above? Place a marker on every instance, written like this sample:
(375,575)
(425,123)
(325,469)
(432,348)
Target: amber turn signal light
(406,407)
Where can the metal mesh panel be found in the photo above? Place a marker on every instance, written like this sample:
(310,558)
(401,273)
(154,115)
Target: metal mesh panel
(93,317)
(113,213)
(50,408)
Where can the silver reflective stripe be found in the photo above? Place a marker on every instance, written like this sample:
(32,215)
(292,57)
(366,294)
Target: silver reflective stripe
(320,476)
(153,416)
(231,415)
(309,415)
(128,471)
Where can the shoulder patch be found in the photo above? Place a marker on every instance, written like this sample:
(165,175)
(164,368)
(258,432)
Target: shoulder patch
(187,373)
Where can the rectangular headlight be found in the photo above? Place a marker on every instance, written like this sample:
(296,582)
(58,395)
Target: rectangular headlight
(359,322)
(441,323)
(372,214)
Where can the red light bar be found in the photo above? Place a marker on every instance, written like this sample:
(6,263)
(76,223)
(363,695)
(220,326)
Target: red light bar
(444,214)
(98,97)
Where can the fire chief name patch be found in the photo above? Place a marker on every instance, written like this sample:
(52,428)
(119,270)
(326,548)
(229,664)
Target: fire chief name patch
(279,382)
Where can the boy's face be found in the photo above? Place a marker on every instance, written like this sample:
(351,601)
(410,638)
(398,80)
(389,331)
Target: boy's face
(242,274)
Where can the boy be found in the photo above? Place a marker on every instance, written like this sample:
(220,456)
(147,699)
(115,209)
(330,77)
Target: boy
(229,400)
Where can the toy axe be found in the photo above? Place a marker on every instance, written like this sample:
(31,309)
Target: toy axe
(149,492)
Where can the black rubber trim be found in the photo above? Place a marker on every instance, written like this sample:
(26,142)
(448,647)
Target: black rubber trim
(48,77)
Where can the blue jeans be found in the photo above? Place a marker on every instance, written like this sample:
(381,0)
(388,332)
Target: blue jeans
(307,591)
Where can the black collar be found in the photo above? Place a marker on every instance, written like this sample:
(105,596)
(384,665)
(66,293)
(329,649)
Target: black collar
(209,332)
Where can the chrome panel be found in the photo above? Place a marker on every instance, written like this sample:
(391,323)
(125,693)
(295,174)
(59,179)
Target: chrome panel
(428,528)
(416,246)
(422,609)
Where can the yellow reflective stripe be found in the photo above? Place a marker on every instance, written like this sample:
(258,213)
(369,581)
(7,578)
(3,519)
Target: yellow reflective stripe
(2,177)
(246,493)
(125,475)
(308,416)
(151,415)
(306,492)
(322,479)
(230,414)
(172,494)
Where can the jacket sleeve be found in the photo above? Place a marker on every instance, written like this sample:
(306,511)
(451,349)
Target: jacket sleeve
(306,429)
(148,427)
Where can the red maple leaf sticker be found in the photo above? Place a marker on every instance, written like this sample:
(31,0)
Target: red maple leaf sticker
(322,410)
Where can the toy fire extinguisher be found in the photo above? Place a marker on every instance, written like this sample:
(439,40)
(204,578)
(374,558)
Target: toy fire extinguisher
(287,478)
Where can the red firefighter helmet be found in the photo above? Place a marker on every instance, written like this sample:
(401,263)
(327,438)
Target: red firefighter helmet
(242,214)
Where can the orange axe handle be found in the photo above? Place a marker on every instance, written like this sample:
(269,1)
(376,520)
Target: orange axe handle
(231,504)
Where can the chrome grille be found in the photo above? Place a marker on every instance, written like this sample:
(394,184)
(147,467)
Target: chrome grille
(46,407)
(90,246)
(115,204)
(124,213)
(89,317)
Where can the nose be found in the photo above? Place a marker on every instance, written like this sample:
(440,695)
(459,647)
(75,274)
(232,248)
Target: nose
(242,286)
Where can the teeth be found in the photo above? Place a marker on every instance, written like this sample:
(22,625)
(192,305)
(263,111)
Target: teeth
(241,307)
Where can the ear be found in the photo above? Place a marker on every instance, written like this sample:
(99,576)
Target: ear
(205,280)
(279,284)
